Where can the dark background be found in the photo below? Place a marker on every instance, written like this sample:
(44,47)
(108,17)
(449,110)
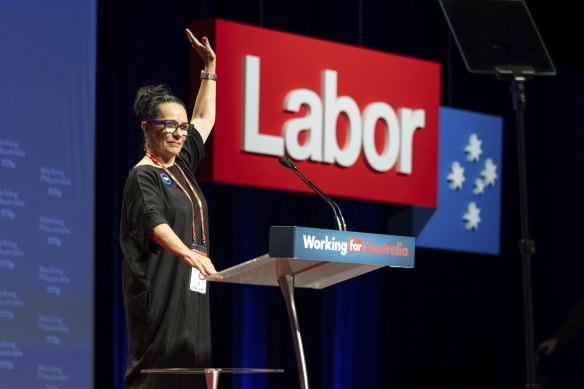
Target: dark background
(456,319)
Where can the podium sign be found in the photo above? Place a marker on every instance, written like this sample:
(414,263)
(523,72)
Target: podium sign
(341,246)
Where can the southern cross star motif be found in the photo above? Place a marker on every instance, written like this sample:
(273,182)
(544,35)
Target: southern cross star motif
(489,173)
(479,187)
(473,148)
(486,177)
(472,217)
(456,176)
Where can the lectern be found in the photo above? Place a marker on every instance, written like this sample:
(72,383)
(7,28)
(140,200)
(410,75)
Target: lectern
(301,257)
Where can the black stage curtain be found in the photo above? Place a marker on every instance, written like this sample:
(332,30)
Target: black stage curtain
(456,319)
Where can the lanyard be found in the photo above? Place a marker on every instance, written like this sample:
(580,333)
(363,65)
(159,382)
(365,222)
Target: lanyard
(157,163)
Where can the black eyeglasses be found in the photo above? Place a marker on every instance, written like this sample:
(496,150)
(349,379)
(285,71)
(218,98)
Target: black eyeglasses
(170,126)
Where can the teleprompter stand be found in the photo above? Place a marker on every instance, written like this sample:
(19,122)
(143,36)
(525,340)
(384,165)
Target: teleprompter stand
(499,37)
(302,257)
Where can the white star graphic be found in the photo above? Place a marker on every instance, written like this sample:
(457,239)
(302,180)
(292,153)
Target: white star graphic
(456,176)
(472,216)
(489,172)
(479,186)
(473,148)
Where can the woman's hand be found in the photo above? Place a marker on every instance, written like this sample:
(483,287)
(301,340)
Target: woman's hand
(204,111)
(166,237)
(548,346)
(204,50)
(200,262)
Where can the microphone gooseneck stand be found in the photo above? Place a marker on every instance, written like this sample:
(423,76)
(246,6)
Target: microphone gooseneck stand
(286,278)
(339,220)
(526,244)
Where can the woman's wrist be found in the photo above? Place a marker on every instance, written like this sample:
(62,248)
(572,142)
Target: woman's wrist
(210,67)
(208,76)
(209,72)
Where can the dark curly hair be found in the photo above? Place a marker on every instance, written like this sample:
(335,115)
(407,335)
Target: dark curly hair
(149,98)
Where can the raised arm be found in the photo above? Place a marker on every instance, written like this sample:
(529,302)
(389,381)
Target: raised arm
(204,110)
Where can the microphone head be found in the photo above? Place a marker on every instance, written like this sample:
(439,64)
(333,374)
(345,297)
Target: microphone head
(286,162)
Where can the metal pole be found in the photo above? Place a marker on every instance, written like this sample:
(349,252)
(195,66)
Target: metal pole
(286,283)
(526,245)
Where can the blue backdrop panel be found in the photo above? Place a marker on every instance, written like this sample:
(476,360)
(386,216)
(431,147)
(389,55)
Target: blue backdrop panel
(47,73)
(469,184)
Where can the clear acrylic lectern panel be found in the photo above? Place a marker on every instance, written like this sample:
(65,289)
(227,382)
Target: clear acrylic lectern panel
(265,270)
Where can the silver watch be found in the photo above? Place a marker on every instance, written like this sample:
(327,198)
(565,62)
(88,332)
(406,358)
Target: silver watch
(208,76)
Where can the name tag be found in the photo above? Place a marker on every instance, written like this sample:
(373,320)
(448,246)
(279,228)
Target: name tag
(197,284)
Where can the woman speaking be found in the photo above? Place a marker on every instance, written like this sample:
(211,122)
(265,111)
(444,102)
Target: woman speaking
(164,236)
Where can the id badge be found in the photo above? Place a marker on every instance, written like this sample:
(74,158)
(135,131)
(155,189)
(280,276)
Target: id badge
(197,283)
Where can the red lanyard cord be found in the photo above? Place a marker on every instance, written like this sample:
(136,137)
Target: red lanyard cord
(157,163)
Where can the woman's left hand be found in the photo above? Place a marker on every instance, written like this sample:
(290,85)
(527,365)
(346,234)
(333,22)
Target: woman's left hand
(204,50)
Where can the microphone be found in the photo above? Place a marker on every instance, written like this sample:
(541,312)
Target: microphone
(286,162)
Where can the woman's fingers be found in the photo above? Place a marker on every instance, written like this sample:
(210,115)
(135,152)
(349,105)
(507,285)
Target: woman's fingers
(193,40)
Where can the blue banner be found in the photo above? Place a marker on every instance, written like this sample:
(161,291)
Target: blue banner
(468,215)
(47,139)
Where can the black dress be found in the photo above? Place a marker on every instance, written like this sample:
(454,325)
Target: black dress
(168,324)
